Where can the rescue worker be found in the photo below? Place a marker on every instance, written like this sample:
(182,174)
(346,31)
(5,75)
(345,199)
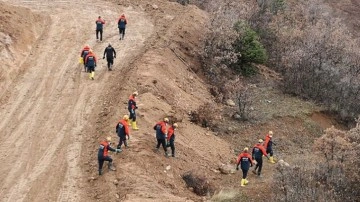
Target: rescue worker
(122,130)
(245,161)
(99,27)
(257,153)
(122,21)
(171,138)
(161,134)
(268,146)
(132,108)
(104,156)
(84,53)
(90,62)
(110,55)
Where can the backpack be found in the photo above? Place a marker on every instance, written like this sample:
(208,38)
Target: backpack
(85,53)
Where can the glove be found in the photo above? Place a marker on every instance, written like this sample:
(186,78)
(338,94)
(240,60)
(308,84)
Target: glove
(104,57)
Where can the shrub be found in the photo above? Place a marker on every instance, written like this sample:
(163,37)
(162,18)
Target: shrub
(249,50)
(332,176)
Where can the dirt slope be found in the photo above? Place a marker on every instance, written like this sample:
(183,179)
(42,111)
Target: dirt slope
(48,106)
(54,116)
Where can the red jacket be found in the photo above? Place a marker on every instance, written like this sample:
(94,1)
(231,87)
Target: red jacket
(258,151)
(106,148)
(170,133)
(86,48)
(267,139)
(88,55)
(244,155)
(132,102)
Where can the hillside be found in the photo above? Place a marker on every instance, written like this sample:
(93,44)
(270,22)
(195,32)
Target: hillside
(53,116)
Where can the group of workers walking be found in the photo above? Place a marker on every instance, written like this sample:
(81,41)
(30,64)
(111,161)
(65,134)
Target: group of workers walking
(165,135)
(260,149)
(87,55)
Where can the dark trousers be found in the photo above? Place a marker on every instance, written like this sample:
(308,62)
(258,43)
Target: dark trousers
(258,166)
(110,61)
(122,32)
(245,172)
(172,146)
(97,34)
(102,160)
(90,69)
(132,115)
(269,151)
(161,142)
(121,141)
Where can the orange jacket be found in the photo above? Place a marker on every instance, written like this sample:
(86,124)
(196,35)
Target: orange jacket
(106,147)
(244,155)
(267,139)
(170,133)
(88,55)
(126,126)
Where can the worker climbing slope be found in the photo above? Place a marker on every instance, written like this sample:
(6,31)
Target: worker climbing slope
(257,153)
(268,146)
(161,134)
(122,130)
(132,109)
(90,62)
(103,154)
(245,161)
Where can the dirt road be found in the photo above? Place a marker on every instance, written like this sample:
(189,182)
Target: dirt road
(46,111)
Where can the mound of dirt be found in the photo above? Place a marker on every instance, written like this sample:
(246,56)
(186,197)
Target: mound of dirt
(19,29)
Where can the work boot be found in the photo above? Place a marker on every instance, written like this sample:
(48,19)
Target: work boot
(246,181)
(173,155)
(242,182)
(111,166)
(126,146)
(133,125)
(271,159)
(166,154)
(100,172)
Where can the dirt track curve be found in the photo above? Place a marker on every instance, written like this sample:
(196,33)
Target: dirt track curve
(47,109)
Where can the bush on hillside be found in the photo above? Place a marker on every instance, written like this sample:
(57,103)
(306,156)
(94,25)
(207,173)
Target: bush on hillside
(248,49)
(316,53)
(334,176)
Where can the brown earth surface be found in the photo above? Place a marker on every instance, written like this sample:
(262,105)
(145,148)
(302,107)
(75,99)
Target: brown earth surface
(53,116)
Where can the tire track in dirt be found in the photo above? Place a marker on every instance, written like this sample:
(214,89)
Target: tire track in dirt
(48,108)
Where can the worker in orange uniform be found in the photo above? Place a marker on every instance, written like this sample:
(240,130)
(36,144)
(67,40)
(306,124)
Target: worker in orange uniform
(103,154)
(90,62)
(132,109)
(245,161)
(122,22)
(99,27)
(84,53)
(257,153)
(161,134)
(122,130)
(268,146)
(171,138)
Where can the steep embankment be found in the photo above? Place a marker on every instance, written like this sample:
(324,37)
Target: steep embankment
(19,29)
